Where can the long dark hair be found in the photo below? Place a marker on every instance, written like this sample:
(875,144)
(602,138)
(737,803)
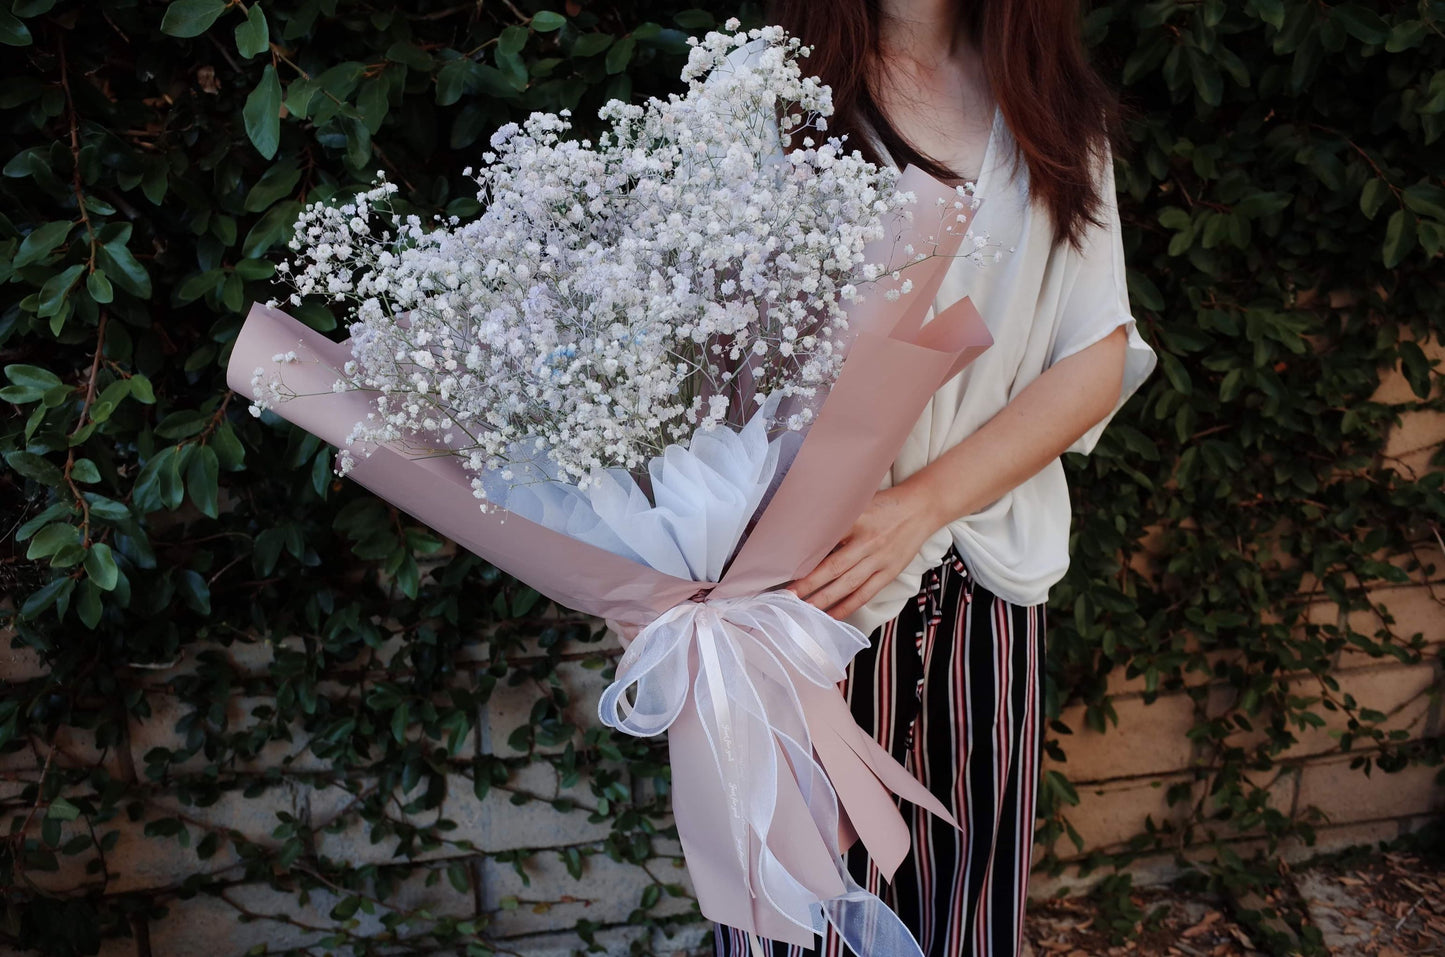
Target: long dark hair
(1060,111)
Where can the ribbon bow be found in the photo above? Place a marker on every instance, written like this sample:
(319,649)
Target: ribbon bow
(749,652)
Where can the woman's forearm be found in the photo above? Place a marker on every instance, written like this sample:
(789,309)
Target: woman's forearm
(1043,420)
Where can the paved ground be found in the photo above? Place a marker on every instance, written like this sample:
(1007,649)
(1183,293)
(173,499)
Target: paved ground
(1368,904)
(1392,905)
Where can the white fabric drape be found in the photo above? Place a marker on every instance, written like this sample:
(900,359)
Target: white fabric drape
(1042,303)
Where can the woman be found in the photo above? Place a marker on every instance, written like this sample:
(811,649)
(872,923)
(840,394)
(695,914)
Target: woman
(950,566)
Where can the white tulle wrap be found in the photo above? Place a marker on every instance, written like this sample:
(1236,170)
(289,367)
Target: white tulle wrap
(750,650)
(705,495)
(749,653)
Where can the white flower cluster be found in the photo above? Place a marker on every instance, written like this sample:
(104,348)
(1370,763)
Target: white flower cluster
(614,297)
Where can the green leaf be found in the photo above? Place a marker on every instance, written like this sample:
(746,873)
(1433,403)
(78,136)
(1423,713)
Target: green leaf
(1426,199)
(181,424)
(106,509)
(1306,60)
(1256,205)
(278,181)
(545,21)
(13,32)
(233,298)
(100,566)
(321,471)
(1373,196)
(1361,23)
(340,80)
(411,55)
(140,387)
(299,94)
(55,590)
(99,287)
(1432,236)
(1416,366)
(51,539)
(408,576)
(512,40)
(194,591)
(267,549)
(591,44)
(1175,372)
(32,378)
(253,36)
(1230,387)
(191,18)
(202,479)
(252,269)
(452,81)
(230,455)
(18,395)
(145,493)
(513,70)
(620,55)
(373,103)
(155,182)
(1143,291)
(41,242)
(358,141)
(34,467)
(1208,81)
(56,289)
(194,287)
(345,908)
(272,228)
(262,113)
(168,480)
(1271,12)
(124,269)
(61,809)
(399,719)
(1404,35)
(84,472)
(1399,237)
(45,517)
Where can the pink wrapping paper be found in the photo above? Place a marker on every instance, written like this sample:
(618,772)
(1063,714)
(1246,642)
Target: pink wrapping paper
(896,362)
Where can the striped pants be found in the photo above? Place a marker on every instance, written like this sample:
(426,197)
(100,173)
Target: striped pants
(953,687)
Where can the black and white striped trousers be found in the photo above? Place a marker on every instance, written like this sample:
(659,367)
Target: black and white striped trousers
(953,687)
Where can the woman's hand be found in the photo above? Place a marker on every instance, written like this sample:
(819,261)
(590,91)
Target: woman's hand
(1035,428)
(882,542)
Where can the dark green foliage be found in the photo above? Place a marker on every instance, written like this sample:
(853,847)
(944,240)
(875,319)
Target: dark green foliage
(1284,237)
(1284,213)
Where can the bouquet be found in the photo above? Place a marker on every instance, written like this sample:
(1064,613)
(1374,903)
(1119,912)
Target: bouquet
(656,378)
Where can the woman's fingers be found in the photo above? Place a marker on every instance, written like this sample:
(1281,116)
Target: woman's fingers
(860,596)
(845,584)
(843,557)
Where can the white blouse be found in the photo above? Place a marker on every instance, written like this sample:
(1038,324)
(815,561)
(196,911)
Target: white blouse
(1041,303)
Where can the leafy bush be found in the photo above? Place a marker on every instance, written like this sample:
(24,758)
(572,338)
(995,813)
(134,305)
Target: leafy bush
(171,558)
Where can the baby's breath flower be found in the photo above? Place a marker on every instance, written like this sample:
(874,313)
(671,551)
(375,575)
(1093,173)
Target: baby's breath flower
(614,295)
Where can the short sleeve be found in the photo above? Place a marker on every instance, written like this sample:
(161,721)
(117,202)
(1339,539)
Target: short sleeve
(1097,303)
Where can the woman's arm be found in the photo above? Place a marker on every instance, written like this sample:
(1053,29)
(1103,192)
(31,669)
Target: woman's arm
(1043,420)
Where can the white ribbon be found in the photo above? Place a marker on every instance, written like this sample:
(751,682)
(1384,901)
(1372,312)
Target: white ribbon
(748,709)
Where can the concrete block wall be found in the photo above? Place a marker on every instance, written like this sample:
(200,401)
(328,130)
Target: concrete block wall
(533,910)
(1122,777)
